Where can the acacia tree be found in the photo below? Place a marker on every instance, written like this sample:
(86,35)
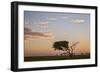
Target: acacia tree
(64,46)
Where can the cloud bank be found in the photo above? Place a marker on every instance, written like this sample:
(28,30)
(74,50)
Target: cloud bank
(37,35)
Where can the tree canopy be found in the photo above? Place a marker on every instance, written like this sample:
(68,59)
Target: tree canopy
(61,45)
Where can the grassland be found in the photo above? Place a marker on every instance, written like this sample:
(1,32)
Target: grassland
(48,58)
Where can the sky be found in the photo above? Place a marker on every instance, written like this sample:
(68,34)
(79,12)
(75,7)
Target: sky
(42,29)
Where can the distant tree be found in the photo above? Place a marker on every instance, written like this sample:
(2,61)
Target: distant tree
(64,46)
(61,45)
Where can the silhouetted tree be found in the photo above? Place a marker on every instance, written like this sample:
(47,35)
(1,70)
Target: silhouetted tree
(61,45)
(64,46)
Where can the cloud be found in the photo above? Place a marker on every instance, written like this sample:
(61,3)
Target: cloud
(43,24)
(64,17)
(52,18)
(46,34)
(38,35)
(78,21)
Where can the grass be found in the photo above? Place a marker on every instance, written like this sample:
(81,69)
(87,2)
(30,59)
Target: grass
(48,58)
